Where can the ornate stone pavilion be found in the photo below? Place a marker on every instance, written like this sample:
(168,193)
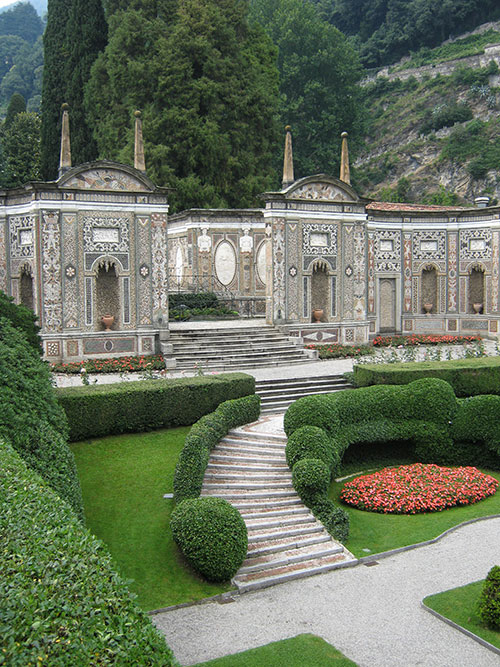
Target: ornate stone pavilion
(318,260)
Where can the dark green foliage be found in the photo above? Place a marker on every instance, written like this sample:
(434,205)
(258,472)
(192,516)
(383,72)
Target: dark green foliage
(311,442)
(198,76)
(17,104)
(21,70)
(334,518)
(87,33)
(319,72)
(468,377)
(22,21)
(317,411)
(61,596)
(21,318)
(21,143)
(195,300)
(311,479)
(211,535)
(203,437)
(143,406)
(489,600)
(31,418)
(477,421)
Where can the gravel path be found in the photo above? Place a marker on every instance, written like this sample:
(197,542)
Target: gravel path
(372,614)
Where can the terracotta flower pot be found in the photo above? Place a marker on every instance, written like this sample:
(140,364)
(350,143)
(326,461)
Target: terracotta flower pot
(108,320)
(427,308)
(317,314)
(478,307)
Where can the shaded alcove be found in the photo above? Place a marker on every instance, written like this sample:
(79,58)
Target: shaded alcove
(476,290)
(320,291)
(26,289)
(107,293)
(429,303)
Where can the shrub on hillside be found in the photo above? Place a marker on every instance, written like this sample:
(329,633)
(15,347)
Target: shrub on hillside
(63,603)
(212,536)
(489,600)
(31,418)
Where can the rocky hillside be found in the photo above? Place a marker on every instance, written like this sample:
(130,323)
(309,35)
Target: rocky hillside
(433,132)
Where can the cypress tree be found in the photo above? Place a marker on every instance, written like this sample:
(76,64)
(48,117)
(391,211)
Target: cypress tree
(53,84)
(17,104)
(76,32)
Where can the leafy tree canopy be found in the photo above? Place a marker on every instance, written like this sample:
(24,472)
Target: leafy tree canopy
(319,71)
(207,85)
(21,145)
(22,21)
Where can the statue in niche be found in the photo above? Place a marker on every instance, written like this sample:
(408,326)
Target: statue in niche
(204,241)
(246,241)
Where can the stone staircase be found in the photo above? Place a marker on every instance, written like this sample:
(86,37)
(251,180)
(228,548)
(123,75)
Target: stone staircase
(234,348)
(285,541)
(277,395)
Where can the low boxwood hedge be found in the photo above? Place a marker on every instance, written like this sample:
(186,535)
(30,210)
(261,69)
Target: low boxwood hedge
(489,600)
(212,536)
(311,479)
(203,437)
(311,442)
(468,377)
(128,407)
(63,603)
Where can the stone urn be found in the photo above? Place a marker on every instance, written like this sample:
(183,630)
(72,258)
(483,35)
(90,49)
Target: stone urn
(108,321)
(317,314)
(427,308)
(478,307)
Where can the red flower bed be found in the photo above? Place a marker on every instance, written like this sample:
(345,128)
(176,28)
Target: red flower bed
(117,365)
(418,488)
(423,339)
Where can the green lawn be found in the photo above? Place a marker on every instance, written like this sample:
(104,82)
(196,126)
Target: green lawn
(382,532)
(301,651)
(460,606)
(123,480)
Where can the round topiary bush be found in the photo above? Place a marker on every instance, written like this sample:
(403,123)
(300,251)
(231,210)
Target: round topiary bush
(311,478)
(489,600)
(317,410)
(212,536)
(311,442)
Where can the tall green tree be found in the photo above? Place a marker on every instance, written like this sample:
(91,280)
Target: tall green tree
(23,21)
(17,104)
(76,31)
(207,84)
(21,143)
(319,74)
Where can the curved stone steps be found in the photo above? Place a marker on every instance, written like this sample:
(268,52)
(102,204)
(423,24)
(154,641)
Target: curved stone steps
(285,541)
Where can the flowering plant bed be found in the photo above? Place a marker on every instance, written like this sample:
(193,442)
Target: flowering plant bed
(416,488)
(423,339)
(119,365)
(338,351)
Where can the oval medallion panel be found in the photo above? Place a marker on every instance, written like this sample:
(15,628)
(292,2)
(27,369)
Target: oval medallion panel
(261,263)
(225,262)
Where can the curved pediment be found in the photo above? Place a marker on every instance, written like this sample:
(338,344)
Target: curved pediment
(106,176)
(321,188)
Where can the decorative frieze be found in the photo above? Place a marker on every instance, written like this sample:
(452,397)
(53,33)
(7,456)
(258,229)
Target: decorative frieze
(293,259)
(319,240)
(387,250)
(452,272)
(428,245)
(279,269)
(51,272)
(475,244)
(159,268)
(407,275)
(22,236)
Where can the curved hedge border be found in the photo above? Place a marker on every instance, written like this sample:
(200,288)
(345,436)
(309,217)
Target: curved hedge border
(444,430)
(129,407)
(62,601)
(203,437)
(468,377)
(192,531)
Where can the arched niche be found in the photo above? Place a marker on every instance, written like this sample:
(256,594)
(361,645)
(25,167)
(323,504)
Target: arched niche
(320,292)
(107,292)
(26,291)
(429,301)
(476,290)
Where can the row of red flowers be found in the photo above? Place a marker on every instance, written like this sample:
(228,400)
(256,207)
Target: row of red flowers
(423,339)
(118,365)
(337,350)
(417,488)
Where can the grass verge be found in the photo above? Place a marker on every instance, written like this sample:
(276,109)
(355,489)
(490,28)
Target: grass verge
(123,480)
(301,651)
(460,606)
(372,533)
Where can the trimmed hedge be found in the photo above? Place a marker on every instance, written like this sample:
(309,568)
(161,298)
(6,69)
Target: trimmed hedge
(129,407)
(311,479)
(31,418)
(212,536)
(489,600)
(203,437)
(63,603)
(468,377)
